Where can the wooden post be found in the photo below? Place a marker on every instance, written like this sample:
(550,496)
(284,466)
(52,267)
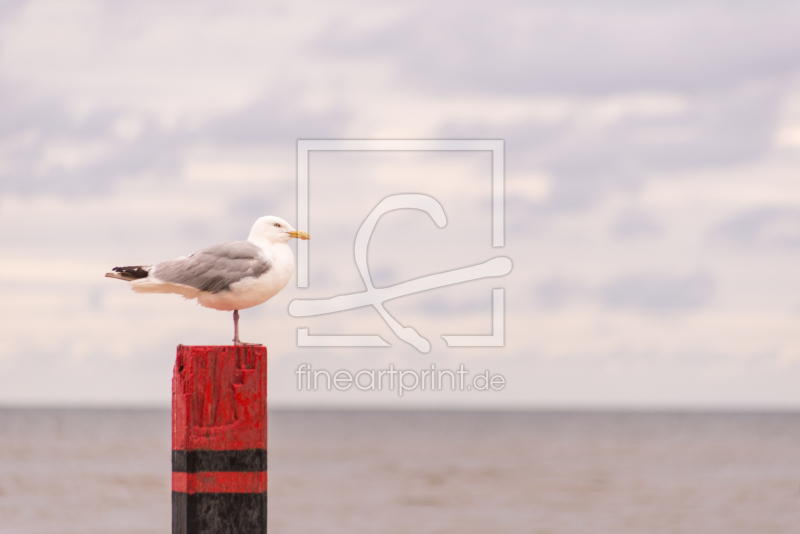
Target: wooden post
(219,440)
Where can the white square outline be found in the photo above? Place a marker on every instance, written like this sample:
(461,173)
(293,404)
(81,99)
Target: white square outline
(305,146)
(496,147)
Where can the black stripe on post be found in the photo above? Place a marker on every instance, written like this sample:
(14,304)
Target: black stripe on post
(199,461)
(219,513)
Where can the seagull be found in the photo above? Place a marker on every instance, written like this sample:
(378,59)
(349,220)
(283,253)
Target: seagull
(228,276)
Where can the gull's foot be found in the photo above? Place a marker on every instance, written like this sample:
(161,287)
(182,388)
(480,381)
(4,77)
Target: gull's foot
(236,342)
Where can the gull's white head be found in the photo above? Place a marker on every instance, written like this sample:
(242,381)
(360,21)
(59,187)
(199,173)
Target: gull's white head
(274,230)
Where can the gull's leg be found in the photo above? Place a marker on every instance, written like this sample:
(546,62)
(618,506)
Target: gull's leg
(236,328)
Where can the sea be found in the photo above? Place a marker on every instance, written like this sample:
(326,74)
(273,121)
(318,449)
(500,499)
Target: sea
(70,471)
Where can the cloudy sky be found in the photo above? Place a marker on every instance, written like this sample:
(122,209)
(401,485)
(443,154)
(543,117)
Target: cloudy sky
(652,155)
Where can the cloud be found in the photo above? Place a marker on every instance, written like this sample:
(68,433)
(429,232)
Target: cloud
(634,225)
(9,9)
(771,227)
(659,293)
(45,148)
(701,87)
(275,119)
(602,145)
(642,292)
(582,47)
(556,292)
(634,89)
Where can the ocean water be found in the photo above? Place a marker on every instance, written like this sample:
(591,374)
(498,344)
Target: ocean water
(108,471)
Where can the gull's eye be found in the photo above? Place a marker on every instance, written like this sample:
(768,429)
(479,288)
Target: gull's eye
(277,225)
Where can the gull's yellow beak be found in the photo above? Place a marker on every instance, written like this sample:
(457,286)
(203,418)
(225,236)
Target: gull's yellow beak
(299,235)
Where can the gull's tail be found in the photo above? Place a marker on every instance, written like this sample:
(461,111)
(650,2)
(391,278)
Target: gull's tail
(128,274)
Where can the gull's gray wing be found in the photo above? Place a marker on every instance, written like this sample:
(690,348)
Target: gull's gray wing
(215,268)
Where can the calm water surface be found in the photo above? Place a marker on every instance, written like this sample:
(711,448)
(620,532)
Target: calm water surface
(104,471)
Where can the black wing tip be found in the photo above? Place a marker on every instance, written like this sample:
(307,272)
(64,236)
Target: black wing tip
(131,272)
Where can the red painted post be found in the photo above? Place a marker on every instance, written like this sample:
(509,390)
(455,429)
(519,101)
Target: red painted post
(219,440)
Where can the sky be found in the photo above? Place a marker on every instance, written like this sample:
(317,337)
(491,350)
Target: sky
(652,193)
